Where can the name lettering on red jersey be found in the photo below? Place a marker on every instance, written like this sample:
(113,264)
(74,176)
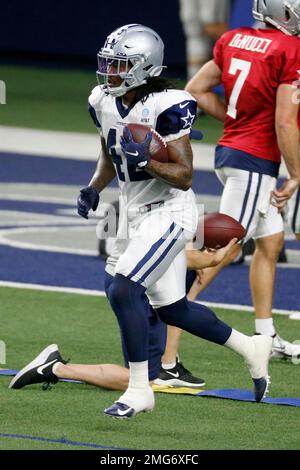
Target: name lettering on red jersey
(250,43)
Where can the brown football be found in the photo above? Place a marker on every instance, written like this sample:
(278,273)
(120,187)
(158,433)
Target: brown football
(219,229)
(158,147)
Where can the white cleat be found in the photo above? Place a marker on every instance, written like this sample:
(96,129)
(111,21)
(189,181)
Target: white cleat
(133,401)
(282,349)
(257,362)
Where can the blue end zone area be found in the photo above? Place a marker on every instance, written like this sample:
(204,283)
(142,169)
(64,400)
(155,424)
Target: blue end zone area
(87,272)
(54,269)
(17,168)
(37,207)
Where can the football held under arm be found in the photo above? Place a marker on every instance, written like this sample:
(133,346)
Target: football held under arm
(173,123)
(178,171)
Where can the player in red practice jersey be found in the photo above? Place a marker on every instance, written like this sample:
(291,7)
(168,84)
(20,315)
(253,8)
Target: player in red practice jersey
(259,69)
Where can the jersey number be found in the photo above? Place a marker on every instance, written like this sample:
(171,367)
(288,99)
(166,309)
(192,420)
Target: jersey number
(244,67)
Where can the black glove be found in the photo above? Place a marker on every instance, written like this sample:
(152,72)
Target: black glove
(87,199)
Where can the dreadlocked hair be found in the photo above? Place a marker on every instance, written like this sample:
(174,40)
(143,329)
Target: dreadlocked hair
(153,85)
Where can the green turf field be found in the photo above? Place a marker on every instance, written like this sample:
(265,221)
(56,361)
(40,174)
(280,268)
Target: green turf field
(86,331)
(57,100)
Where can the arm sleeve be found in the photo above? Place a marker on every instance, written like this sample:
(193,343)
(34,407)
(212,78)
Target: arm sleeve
(177,120)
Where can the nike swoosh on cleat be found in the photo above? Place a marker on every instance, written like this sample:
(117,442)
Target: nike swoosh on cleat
(41,368)
(172,373)
(124,412)
(135,154)
(181,106)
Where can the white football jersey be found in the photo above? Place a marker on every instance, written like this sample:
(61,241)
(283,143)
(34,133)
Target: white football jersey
(171,113)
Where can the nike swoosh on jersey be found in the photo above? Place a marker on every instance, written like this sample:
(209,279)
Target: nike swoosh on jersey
(124,412)
(181,106)
(135,154)
(172,373)
(41,368)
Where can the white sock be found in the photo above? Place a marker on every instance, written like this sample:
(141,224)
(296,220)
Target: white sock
(240,343)
(139,376)
(265,326)
(54,368)
(168,366)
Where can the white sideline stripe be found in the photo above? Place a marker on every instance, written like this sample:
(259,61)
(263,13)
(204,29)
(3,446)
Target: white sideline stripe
(66,290)
(80,146)
(245,308)
(36,198)
(71,145)
(100,293)
(48,248)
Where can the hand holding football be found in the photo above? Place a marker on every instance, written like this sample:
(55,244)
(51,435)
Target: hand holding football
(158,147)
(219,229)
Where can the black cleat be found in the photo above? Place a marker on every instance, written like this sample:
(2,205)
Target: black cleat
(39,370)
(261,388)
(179,376)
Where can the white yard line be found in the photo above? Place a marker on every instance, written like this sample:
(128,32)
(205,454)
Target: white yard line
(35,246)
(65,290)
(49,143)
(72,290)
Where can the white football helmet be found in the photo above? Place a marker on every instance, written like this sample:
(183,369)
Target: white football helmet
(133,52)
(284,15)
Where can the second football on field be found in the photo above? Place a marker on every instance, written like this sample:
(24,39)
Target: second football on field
(218,229)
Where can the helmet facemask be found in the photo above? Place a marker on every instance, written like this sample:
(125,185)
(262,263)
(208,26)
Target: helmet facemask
(129,70)
(116,59)
(284,15)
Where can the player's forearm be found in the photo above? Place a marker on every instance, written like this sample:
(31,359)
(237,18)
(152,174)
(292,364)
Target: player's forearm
(211,104)
(176,175)
(195,260)
(199,260)
(201,86)
(103,175)
(288,141)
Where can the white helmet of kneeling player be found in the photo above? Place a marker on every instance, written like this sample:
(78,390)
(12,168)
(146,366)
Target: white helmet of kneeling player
(132,52)
(284,15)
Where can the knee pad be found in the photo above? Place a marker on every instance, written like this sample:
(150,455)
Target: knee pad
(124,292)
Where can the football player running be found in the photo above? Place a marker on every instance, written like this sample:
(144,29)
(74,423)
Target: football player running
(259,69)
(49,366)
(158,213)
